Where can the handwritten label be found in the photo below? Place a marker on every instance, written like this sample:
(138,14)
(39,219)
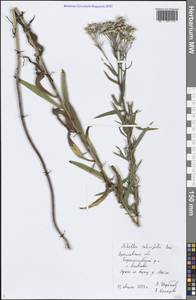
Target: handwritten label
(149,269)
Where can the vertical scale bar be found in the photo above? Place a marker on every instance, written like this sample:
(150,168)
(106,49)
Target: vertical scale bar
(191,148)
(191,188)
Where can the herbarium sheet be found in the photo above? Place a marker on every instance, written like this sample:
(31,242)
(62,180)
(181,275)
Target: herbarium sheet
(93,114)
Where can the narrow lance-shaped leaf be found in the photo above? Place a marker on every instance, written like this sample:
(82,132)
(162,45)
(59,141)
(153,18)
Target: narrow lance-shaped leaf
(39,92)
(76,150)
(97,202)
(87,169)
(119,184)
(112,70)
(120,153)
(64,89)
(90,145)
(141,135)
(39,77)
(99,194)
(138,140)
(147,128)
(138,164)
(75,118)
(67,105)
(87,131)
(108,113)
(118,112)
(115,100)
(110,78)
(122,132)
(126,195)
(121,156)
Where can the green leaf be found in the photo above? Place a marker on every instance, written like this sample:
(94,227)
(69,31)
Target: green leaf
(138,164)
(138,140)
(118,112)
(119,184)
(112,70)
(64,88)
(110,78)
(90,144)
(147,128)
(120,151)
(115,100)
(96,202)
(87,169)
(76,150)
(120,155)
(39,92)
(87,131)
(99,194)
(108,113)
(141,135)
(67,105)
(75,118)
(122,132)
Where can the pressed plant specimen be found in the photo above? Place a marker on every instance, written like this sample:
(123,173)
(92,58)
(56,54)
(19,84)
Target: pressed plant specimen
(120,37)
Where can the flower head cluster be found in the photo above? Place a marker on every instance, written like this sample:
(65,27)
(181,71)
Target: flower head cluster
(118,32)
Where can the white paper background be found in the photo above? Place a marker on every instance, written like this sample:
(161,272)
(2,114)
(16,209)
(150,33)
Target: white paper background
(35,263)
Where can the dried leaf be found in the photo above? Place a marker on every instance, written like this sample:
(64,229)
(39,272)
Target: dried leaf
(146,128)
(112,70)
(76,150)
(122,132)
(87,169)
(39,77)
(39,92)
(97,202)
(130,107)
(120,151)
(90,144)
(118,112)
(110,78)
(67,104)
(87,131)
(138,164)
(99,194)
(119,184)
(120,155)
(108,113)
(64,88)
(75,119)
(141,135)
(115,100)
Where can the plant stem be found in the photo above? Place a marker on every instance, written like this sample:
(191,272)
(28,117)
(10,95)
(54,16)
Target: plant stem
(32,39)
(132,176)
(25,128)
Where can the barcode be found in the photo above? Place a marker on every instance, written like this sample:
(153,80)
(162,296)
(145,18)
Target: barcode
(167,14)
